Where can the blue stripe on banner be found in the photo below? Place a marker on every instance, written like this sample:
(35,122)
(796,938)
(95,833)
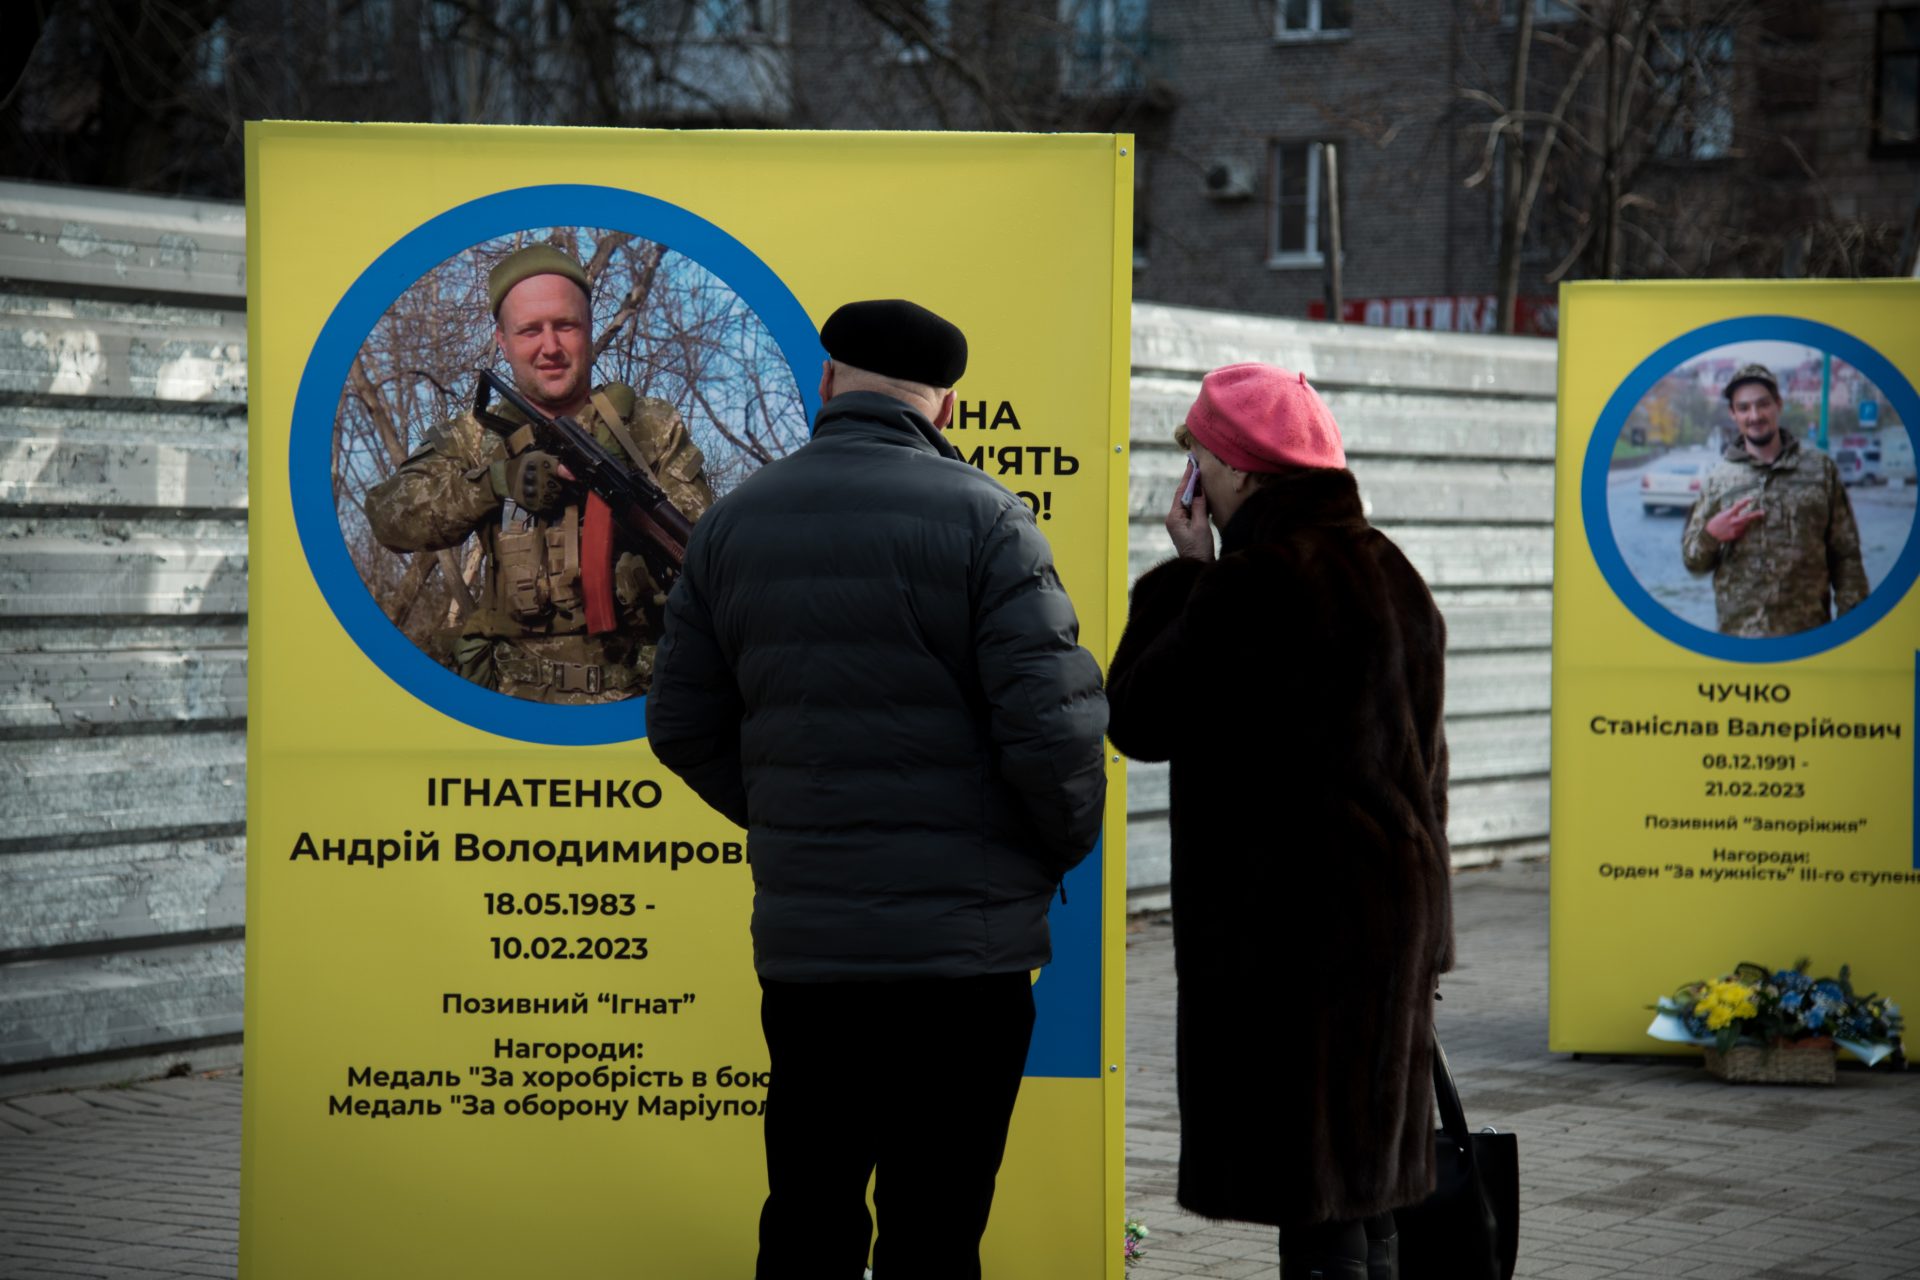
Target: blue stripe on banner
(1066,1026)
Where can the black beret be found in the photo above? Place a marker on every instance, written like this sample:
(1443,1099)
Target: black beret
(896,339)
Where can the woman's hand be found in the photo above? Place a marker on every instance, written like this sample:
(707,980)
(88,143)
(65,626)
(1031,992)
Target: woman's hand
(1187,526)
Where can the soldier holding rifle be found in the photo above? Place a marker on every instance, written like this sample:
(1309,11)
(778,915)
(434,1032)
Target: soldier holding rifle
(573,578)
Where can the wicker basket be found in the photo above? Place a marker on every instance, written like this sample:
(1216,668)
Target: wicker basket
(1774,1064)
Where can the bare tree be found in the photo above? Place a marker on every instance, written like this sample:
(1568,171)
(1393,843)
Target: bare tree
(119,93)
(152,94)
(1614,136)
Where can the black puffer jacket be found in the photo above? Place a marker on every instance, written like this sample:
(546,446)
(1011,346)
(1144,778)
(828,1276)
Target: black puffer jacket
(871,665)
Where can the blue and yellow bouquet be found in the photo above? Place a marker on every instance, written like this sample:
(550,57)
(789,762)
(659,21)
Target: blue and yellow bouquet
(1782,1007)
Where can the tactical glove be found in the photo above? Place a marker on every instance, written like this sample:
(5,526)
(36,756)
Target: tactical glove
(530,479)
(633,583)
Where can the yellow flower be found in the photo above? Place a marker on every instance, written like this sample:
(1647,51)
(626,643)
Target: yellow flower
(1722,1002)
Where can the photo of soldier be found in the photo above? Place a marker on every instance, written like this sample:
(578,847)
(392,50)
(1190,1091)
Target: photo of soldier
(1756,449)
(1773,524)
(523,526)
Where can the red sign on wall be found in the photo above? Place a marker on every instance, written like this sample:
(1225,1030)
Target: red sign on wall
(1455,313)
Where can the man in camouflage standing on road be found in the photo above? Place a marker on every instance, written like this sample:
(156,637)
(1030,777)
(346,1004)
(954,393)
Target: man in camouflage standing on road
(552,560)
(1774,524)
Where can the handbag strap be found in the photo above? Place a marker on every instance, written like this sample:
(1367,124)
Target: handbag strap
(1453,1117)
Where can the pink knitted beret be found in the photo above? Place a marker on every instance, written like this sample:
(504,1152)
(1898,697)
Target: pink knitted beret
(1259,417)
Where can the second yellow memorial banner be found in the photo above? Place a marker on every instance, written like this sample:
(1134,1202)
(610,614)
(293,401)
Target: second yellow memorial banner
(1735,637)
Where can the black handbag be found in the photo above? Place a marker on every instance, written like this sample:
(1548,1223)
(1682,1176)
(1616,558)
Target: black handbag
(1469,1228)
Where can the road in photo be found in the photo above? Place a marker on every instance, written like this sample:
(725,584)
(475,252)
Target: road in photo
(1650,542)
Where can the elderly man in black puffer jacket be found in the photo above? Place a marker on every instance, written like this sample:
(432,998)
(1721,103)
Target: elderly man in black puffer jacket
(871,665)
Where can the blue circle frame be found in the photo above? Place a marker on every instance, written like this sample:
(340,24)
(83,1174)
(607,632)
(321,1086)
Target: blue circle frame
(1613,420)
(310,448)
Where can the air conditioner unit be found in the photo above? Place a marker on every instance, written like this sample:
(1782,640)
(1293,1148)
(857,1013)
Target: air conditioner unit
(1229,180)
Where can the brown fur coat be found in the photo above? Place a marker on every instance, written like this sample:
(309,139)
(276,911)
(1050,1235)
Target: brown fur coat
(1295,685)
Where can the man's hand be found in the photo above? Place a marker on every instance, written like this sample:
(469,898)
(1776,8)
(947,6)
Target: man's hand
(633,583)
(1187,526)
(535,480)
(1731,525)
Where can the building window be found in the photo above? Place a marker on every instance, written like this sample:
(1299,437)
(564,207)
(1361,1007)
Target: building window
(913,29)
(732,19)
(1293,200)
(1106,45)
(1543,11)
(535,20)
(210,56)
(1314,19)
(1693,81)
(359,34)
(1896,89)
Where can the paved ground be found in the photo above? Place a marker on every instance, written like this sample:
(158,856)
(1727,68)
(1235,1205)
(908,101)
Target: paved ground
(1632,1168)
(1629,1169)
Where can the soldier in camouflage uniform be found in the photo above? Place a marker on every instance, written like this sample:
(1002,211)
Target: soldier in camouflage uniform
(545,559)
(1773,524)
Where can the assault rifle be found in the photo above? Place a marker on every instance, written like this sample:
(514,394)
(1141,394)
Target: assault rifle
(638,504)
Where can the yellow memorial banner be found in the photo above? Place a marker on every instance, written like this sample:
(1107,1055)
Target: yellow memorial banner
(501,1014)
(1734,653)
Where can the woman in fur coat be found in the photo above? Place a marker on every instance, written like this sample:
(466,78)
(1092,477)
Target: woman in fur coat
(1294,682)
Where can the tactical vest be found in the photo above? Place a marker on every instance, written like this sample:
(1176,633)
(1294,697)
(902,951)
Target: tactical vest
(534,583)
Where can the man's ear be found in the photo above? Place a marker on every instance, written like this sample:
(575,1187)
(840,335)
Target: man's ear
(942,418)
(499,342)
(826,381)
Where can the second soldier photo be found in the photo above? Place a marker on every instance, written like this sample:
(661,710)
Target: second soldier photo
(1763,488)
(525,440)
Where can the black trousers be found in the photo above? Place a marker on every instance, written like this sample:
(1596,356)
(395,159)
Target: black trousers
(912,1083)
(1324,1248)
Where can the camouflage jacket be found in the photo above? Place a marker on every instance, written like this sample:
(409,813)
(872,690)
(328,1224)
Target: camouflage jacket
(531,597)
(1795,569)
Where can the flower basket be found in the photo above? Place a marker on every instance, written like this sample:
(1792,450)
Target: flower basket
(1806,1063)
(1779,1026)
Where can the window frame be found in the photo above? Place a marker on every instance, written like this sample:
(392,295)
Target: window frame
(909,52)
(1702,87)
(734,21)
(212,52)
(1118,65)
(1545,12)
(1314,255)
(359,17)
(1877,144)
(1315,32)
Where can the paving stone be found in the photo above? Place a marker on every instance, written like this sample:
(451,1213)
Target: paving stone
(49,1104)
(22,1121)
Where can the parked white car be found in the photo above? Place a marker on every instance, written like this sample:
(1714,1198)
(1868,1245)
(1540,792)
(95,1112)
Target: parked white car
(1858,458)
(1673,483)
(1856,466)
